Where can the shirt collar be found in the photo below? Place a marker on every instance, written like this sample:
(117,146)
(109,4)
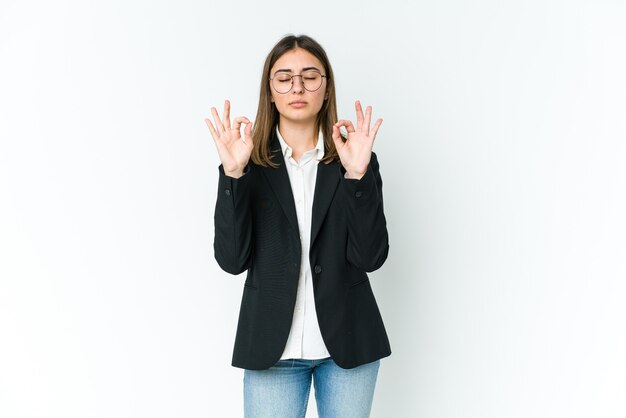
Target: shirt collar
(287,151)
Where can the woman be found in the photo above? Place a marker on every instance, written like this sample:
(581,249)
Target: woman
(300,207)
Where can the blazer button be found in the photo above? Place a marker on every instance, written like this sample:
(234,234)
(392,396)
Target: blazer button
(227,191)
(317,269)
(358,194)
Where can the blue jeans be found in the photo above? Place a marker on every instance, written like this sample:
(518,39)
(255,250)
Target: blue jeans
(282,391)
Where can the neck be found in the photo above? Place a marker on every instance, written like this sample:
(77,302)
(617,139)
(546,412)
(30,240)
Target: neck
(301,137)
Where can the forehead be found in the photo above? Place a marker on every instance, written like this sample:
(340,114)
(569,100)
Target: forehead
(295,60)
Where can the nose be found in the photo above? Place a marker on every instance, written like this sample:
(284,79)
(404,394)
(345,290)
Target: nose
(297,84)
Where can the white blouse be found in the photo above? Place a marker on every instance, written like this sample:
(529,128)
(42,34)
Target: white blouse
(305,339)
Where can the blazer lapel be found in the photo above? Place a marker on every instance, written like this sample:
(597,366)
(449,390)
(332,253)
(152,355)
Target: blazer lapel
(279,182)
(325,187)
(326,182)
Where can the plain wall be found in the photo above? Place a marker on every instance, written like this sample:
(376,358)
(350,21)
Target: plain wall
(502,153)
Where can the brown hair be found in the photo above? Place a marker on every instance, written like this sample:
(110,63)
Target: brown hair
(267,115)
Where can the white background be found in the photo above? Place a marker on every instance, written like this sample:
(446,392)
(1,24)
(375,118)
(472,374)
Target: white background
(503,155)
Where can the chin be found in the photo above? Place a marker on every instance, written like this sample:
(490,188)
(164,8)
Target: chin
(306,112)
(300,117)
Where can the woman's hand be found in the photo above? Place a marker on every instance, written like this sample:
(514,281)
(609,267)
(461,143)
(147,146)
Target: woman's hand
(356,152)
(233,150)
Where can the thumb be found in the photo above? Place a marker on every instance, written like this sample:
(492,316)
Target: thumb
(247,133)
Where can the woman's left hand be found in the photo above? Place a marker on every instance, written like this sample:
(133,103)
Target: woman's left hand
(356,152)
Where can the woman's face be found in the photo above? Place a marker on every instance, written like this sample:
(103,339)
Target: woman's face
(294,62)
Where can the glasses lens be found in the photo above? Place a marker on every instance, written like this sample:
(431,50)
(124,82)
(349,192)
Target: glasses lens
(282,82)
(312,80)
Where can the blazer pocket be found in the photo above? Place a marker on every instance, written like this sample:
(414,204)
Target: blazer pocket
(265,203)
(360,282)
(249,283)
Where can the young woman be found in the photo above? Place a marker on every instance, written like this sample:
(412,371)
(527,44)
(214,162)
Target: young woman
(300,207)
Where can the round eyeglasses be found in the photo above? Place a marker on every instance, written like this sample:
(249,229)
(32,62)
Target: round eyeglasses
(283,82)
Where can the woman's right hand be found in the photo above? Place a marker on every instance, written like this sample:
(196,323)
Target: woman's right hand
(233,149)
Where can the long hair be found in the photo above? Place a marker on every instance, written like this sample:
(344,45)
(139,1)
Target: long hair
(267,115)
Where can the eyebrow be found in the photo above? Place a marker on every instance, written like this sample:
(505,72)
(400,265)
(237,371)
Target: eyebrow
(289,70)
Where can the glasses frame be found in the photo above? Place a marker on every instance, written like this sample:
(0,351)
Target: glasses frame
(292,76)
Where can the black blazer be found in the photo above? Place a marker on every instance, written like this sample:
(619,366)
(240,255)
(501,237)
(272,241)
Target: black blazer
(256,229)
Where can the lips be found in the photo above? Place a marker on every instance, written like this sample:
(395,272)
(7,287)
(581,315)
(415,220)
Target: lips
(298,104)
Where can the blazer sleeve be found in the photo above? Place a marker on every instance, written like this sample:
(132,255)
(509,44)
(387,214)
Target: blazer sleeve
(233,224)
(368,239)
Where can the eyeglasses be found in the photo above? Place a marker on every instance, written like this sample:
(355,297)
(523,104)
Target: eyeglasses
(283,82)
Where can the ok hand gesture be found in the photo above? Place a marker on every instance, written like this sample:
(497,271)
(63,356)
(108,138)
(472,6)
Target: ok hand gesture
(233,150)
(356,152)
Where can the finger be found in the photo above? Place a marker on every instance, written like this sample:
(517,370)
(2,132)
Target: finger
(359,115)
(218,122)
(374,130)
(214,133)
(348,124)
(238,121)
(368,118)
(337,137)
(227,114)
